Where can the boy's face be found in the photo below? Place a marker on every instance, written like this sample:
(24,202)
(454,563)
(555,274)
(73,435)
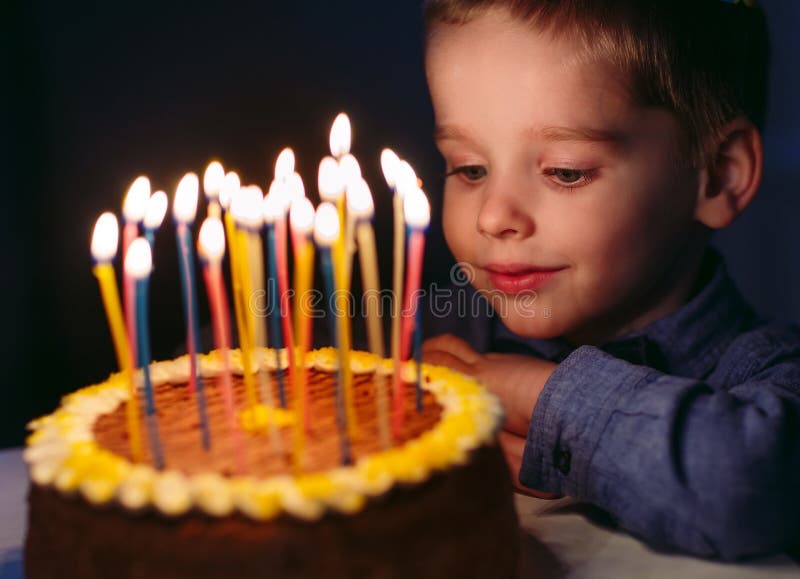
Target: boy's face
(558,186)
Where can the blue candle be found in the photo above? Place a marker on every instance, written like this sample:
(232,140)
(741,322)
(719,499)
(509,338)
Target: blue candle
(188,295)
(326,233)
(138,264)
(184,209)
(154,216)
(275,313)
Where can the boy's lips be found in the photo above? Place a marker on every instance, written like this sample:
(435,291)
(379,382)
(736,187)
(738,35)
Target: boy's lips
(514,278)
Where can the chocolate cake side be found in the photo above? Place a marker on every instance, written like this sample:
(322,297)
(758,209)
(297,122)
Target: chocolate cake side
(459,523)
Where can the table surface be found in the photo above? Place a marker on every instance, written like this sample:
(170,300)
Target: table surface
(561,539)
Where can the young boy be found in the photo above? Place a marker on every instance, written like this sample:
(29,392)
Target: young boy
(592,147)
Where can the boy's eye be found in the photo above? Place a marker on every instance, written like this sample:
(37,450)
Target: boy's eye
(570,178)
(468,172)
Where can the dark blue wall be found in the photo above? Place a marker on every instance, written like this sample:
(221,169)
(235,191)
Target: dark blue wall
(104,91)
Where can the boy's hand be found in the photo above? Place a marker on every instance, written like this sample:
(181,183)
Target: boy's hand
(516,379)
(513,447)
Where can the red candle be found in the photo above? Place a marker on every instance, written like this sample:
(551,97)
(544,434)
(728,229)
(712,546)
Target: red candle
(417,215)
(211,247)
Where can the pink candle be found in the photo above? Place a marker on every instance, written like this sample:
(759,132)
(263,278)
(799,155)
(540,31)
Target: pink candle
(281,243)
(417,215)
(211,247)
(301,219)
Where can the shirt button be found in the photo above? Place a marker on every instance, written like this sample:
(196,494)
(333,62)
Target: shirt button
(563,461)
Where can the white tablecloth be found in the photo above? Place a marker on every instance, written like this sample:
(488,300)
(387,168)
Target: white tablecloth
(561,539)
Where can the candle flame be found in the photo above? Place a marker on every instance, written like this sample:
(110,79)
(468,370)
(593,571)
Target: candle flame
(276,202)
(105,238)
(301,215)
(135,204)
(417,209)
(139,259)
(326,224)
(331,185)
(341,135)
(230,186)
(246,207)
(295,187)
(389,162)
(284,166)
(405,178)
(359,200)
(156,210)
(184,206)
(349,169)
(212,180)
(211,240)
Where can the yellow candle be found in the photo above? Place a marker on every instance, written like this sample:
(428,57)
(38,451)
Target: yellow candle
(301,220)
(345,340)
(350,172)
(397,273)
(104,247)
(236,263)
(361,208)
(255,251)
(331,188)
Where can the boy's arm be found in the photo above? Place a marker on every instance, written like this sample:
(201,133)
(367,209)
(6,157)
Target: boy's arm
(709,467)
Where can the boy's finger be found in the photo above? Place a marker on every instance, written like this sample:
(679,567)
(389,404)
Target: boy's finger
(453,345)
(441,358)
(513,447)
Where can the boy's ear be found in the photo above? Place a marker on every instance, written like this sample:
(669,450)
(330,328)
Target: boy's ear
(731,181)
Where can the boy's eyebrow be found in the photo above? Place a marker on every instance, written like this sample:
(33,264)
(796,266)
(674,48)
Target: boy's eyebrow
(588,134)
(450,133)
(548,133)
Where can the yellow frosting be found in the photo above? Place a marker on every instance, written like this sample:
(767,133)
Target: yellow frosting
(61,451)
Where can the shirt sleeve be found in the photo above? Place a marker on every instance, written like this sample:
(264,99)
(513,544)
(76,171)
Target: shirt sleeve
(708,467)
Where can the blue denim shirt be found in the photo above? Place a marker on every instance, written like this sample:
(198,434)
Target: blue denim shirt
(687,432)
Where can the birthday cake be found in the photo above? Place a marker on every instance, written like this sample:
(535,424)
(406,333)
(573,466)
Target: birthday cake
(436,503)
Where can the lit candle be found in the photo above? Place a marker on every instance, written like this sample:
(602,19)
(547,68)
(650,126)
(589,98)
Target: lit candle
(326,232)
(351,175)
(154,216)
(138,265)
(417,216)
(272,210)
(361,207)
(292,186)
(246,212)
(249,207)
(340,140)
(211,247)
(301,218)
(247,216)
(340,136)
(104,248)
(389,164)
(284,165)
(212,183)
(184,210)
(331,190)
(230,186)
(133,209)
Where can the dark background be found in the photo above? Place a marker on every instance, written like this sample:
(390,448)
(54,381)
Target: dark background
(97,93)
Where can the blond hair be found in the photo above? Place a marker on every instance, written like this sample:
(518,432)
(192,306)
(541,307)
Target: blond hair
(705,61)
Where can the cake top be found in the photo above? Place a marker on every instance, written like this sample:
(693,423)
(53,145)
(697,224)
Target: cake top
(64,452)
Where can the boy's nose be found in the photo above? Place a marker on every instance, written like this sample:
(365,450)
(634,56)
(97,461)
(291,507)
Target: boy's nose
(502,216)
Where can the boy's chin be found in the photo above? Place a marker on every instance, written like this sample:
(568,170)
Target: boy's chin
(539,327)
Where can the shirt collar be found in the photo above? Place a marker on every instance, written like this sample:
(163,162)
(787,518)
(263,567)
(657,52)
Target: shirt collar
(687,342)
